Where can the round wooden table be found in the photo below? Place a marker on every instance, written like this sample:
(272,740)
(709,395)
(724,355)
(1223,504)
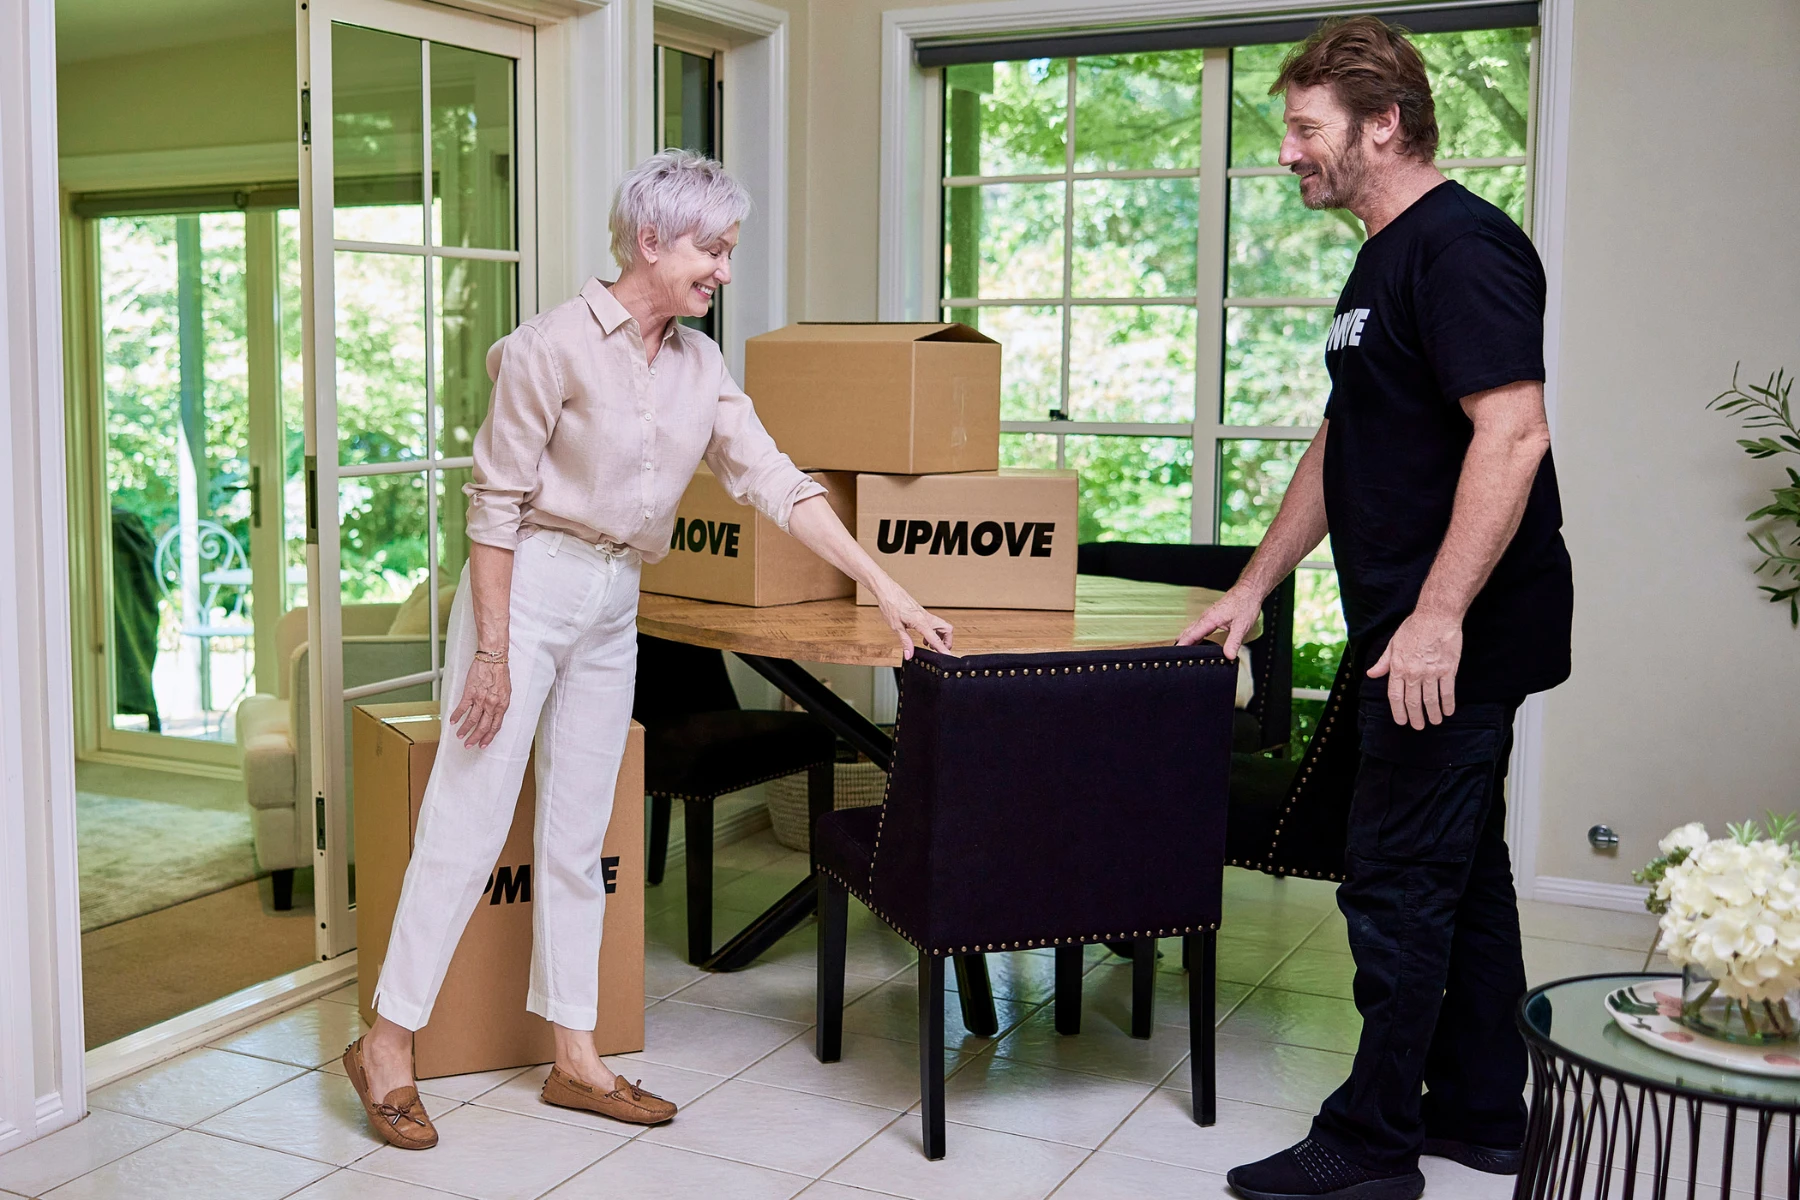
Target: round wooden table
(1110,614)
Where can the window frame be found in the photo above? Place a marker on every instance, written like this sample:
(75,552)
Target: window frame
(1212,302)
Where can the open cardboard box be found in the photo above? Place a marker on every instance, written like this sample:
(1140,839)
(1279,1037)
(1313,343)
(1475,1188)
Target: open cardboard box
(480,1022)
(898,398)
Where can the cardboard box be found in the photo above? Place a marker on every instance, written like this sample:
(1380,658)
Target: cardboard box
(992,539)
(725,551)
(480,1022)
(895,398)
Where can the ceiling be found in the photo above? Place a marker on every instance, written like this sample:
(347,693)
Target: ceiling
(87,29)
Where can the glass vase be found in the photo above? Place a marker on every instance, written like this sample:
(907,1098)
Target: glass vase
(1709,1011)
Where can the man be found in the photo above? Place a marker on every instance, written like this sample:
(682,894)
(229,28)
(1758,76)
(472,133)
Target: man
(1432,473)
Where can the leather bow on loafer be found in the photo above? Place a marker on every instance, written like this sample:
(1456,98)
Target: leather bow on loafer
(627,1102)
(400,1118)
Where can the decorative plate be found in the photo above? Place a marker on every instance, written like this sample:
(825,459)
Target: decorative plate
(1647,1011)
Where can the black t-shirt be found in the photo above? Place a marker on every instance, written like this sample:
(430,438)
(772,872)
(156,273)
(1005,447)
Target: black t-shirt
(1445,301)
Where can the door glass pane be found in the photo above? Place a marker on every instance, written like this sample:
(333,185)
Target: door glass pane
(380,357)
(453,534)
(1275,366)
(686,87)
(1138,489)
(1138,111)
(1004,240)
(473,154)
(1128,363)
(475,308)
(378,104)
(1006,118)
(175,391)
(1034,450)
(382,549)
(293,404)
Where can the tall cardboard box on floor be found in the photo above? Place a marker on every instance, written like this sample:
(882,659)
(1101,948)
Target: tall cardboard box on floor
(726,551)
(897,398)
(990,539)
(480,1022)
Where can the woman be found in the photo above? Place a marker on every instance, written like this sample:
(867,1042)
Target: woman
(602,409)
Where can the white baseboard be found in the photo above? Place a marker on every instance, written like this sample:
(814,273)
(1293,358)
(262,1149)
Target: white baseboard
(209,1022)
(1585,893)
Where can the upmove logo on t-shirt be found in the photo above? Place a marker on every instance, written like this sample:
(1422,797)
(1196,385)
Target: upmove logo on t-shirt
(1346,329)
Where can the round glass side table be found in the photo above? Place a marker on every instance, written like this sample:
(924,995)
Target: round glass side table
(1613,1117)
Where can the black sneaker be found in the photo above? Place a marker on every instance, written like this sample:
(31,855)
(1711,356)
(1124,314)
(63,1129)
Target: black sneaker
(1495,1160)
(1310,1171)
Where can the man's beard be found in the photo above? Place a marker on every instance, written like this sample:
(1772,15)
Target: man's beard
(1339,184)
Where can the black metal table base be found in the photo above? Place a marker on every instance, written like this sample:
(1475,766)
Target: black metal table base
(1594,1137)
(792,910)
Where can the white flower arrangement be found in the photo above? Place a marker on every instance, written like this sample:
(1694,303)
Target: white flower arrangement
(1730,911)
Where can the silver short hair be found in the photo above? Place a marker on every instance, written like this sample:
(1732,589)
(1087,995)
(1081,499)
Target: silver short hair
(678,193)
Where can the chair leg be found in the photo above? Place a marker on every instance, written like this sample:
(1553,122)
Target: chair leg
(281,882)
(834,919)
(699,817)
(931,1053)
(658,840)
(1068,988)
(821,795)
(1143,987)
(1203,984)
(976,992)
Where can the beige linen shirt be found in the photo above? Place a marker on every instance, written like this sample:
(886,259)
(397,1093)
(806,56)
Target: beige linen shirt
(584,436)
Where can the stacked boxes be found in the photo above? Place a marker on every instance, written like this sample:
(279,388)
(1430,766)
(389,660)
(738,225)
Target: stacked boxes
(913,409)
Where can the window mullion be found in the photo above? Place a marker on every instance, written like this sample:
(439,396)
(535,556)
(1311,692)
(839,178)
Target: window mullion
(1209,324)
(1068,262)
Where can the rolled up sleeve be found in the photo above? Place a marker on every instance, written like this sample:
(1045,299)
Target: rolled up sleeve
(528,398)
(746,460)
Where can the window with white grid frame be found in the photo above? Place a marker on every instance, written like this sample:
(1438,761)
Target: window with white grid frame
(1120,224)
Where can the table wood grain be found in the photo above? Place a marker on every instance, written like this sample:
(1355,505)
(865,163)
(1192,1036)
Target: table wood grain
(1110,614)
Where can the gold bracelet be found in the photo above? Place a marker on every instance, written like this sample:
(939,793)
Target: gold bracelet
(496,657)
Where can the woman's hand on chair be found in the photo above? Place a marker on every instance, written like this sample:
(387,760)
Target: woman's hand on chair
(909,620)
(487,691)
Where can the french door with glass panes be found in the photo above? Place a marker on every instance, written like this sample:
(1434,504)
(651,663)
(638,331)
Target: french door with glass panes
(418,243)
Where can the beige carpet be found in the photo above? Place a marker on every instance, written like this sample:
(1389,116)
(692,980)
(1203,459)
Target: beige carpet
(138,856)
(147,969)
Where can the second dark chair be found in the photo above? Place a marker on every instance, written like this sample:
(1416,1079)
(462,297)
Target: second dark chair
(700,745)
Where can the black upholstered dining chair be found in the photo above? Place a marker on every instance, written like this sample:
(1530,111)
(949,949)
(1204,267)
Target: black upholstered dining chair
(700,745)
(1038,800)
(1264,725)
(1291,816)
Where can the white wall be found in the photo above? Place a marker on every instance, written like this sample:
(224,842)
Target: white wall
(1683,256)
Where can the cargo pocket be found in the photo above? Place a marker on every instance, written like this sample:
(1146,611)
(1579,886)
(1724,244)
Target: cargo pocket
(1422,794)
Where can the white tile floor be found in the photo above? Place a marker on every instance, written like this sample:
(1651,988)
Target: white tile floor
(267,1113)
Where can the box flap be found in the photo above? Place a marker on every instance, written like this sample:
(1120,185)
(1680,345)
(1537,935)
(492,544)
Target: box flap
(874,331)
(407,718)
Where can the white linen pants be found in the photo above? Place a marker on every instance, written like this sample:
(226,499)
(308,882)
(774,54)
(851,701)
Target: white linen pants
(573,662)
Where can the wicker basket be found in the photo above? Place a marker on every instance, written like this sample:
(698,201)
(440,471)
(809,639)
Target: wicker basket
(858,785)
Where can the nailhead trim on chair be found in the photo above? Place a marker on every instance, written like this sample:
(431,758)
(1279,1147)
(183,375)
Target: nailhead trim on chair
(1030,943)
(1306,770)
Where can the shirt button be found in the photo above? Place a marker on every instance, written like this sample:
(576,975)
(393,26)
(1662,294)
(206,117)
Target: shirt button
(648,417)
(652,370)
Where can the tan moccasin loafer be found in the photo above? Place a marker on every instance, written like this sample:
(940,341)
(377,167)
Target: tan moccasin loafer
(400,1118)
(627,1102)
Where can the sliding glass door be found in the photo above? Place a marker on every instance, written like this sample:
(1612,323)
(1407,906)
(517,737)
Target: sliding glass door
(416,216)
